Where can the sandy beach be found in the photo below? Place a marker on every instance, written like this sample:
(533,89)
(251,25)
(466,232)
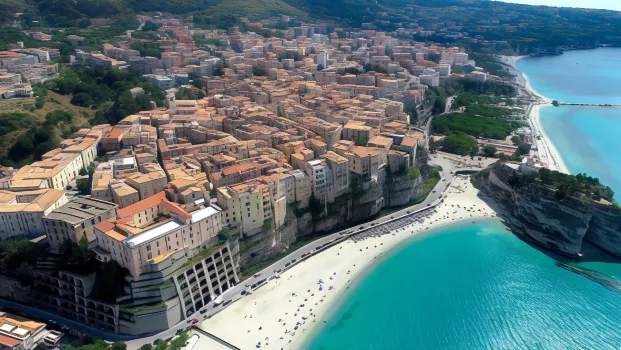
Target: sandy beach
(548,153)
(545,147)
(285,312)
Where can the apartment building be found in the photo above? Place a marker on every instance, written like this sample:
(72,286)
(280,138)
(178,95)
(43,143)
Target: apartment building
(21,213)
(18,333)
(249,205)
(339,167)
(149,182)
(303,187)
(75,220)
(363,161)
(149,231)
(320,175)
(56,169)
(123,194)
(397,160)
(358,131)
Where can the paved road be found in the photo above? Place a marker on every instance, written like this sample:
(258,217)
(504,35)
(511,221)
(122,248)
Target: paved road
(447,109)
(395,220)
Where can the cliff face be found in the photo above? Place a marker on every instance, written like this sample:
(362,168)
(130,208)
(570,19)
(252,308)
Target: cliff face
(559,225)
(399,190)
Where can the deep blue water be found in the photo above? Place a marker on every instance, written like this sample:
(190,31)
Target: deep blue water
(472,286)
(588,138)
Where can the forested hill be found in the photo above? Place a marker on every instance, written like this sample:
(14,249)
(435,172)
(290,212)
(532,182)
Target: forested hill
(514,28)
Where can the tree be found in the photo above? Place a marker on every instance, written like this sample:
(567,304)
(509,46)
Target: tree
(179,342)
(433,145)
(84,187)
(414,172)
(80,252)
(146,347)
(82,99)
(161,345)
(489,151)
(15,252)
(83,172)
(459,143)
(119,345)
(258,71)
(223,235)
(267,224)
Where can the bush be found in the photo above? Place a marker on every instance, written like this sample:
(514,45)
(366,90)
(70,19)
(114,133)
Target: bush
(54,117)
(489,151)
(414,172)
(82,99)
(223,235)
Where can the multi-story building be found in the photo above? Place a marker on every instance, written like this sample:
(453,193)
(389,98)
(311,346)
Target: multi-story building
(149,183)
(358,131)
(123,194)
(303,187)
(339,167)
(246,205)
(321,178)
(18,333)
(364,161)
(21,213)
(149,231)
(56,170)
(75,220)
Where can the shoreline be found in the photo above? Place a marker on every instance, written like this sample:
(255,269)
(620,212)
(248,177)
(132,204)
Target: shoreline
(270,315)
(546,149)
(512,61)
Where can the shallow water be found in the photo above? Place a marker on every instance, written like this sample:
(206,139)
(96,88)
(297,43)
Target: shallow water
(472,286)
(586,137)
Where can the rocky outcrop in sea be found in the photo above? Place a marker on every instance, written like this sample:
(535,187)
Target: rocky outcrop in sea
(561,225)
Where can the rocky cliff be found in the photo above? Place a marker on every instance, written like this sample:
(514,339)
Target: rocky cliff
(561,225)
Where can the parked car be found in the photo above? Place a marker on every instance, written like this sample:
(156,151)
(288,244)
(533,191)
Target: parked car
(194,321)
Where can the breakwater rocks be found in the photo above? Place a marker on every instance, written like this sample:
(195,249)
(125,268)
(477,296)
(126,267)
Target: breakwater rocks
(561,225)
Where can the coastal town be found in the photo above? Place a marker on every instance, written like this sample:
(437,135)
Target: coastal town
(242,147)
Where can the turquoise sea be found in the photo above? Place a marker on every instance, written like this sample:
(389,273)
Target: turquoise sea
(472,286)
(586,137)
(477,286)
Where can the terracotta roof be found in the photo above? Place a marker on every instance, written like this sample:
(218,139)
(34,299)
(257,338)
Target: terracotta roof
(142,205)
(8,341)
